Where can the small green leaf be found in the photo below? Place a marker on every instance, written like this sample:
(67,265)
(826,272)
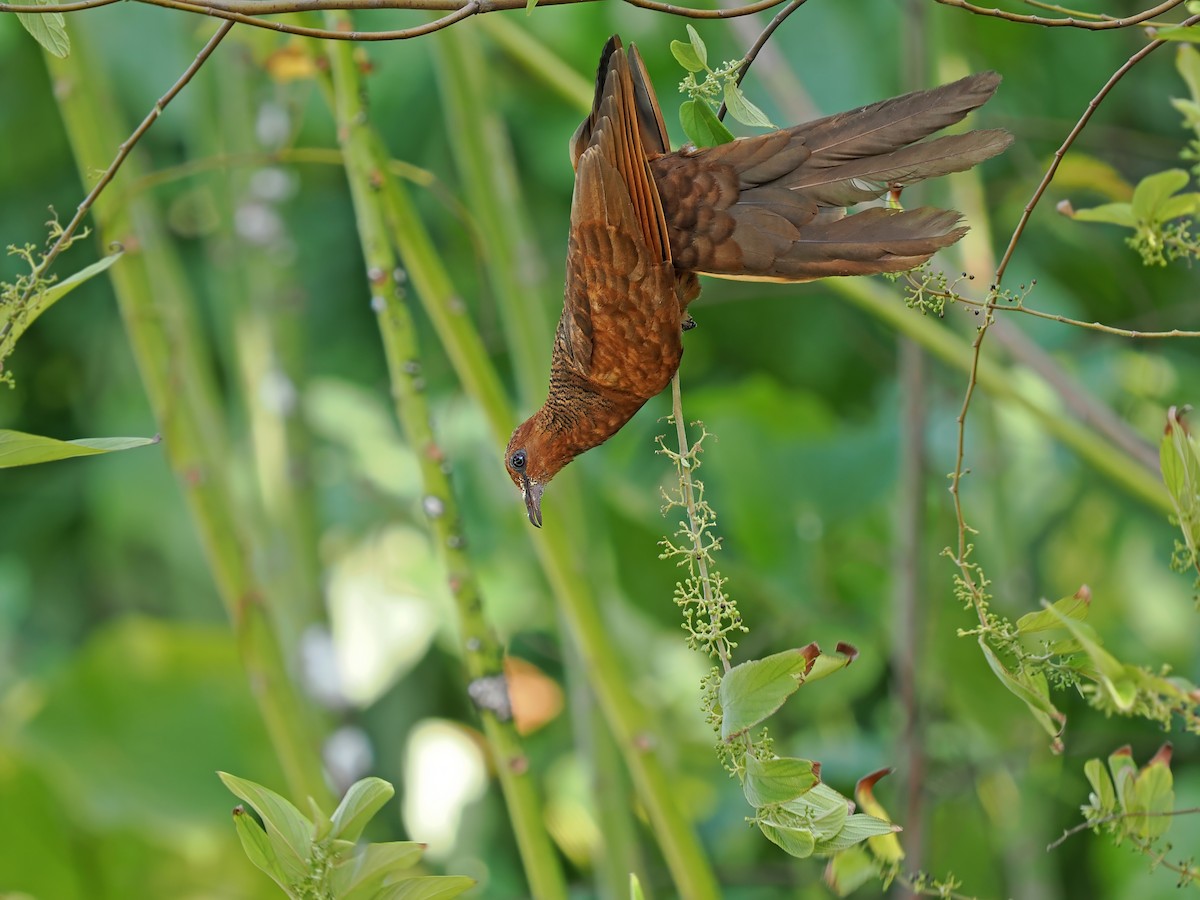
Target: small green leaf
(359,877)
(698,46)
(850,870)
(1178,206)
(701,124)
(1102,785)
(1187,62)
(635,888)
(20,321)
(793,840)
(1189,108)
(742,109)
(1124,770)
(1075,606)
(823,808)
(362,801)
(1190,33)
(686,56)
(20,449)
(1152,192)
(1108,213)
(754,690)
(1034,693)
(287,829)
(427,887)
(257,846)
(48,29)
(1153,795)
(1179,459)
(857,828)
(529,5)
(778,780)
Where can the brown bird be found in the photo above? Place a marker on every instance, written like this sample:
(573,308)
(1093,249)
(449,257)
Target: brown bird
(645,221)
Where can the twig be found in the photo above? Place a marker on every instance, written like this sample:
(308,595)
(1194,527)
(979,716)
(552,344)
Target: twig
(1085,21)
(1116,817)
(1065,320)
(130,142)
(962,550)
(760,42)
(248,13)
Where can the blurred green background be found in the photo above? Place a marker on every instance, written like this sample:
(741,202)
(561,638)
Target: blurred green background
(121,692)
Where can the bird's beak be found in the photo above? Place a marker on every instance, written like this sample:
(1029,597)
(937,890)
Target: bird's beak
(533,501)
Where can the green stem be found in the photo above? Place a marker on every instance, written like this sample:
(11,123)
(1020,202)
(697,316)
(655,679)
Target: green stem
(157,306)
(482,653)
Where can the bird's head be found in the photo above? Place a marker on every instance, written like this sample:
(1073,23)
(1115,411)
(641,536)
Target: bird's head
(532,459)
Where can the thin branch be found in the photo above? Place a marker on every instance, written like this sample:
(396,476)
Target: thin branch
(954,297)
(247,12)
(761,41)
(1116,817)
(107,176)
(963,549)
(1085,21)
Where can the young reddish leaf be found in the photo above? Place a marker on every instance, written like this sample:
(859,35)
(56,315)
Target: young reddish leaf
(885,847)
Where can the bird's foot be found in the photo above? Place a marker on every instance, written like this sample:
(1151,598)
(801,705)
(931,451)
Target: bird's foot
(688,323)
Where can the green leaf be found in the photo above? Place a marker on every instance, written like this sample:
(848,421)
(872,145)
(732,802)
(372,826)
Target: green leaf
(686,56)
(20,449)
(857,828)
(1187,62)
(427,887)
(1075,606)
(1189,108)
(778,780)
(1153,794)
(257,846)
(795,841)
(754,690)
(698,46)
(1034,693)
(850,870)
(48,29)
(823,808)
(1109,213)
(635,888)
(359,877)
(1178,206)
(1124,770)
(20,321)
(362,801)
(1190,33)
(701,124)
(1102,785)
(1179,460)
(1152,192)
(289,832)
(742,109)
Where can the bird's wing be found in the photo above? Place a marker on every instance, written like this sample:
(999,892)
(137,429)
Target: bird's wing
(769,207)
(614,328)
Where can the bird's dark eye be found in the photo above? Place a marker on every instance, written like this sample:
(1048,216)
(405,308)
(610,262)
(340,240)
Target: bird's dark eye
(517,460)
